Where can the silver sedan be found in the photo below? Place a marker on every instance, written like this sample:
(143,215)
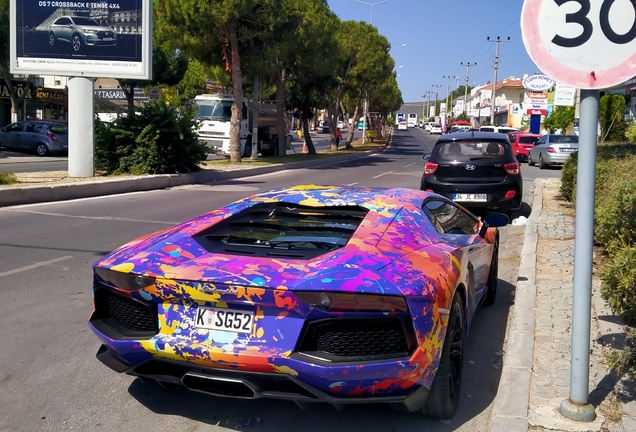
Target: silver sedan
(553,149)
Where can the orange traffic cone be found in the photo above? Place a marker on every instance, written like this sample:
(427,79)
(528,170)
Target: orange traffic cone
(305,147)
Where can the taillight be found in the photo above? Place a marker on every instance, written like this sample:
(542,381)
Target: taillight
(510,194)
(345,302)
(430,168)
(550,150)
(50,135)
(512,168)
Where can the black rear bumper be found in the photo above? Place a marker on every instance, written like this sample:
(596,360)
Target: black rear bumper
(496,192)
(245,385)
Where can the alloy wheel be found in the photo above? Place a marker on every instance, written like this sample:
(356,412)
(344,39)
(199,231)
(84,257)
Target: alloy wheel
(456,353)
(77,43)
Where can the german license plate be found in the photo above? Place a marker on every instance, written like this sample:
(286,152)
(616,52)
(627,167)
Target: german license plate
(567,150)
(229,320)
(470,197)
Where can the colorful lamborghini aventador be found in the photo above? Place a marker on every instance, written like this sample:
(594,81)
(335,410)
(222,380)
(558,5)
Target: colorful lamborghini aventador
(344,295)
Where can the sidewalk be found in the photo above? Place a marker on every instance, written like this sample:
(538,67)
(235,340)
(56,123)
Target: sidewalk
(536,373)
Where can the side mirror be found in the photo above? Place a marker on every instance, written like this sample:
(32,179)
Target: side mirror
(493,220)
(427,156)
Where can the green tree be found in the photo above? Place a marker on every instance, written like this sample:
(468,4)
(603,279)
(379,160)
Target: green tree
(461,116)
(5,70)
(363,62)
(611,110)
(168,68)
(220,30)
(311,72)
(561,117)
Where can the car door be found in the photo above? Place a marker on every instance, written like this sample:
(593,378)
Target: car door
(31,136)
(10,137)
(460,229)
(534,151)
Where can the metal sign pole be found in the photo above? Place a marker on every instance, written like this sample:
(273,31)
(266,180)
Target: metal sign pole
(577,407)
(81,130)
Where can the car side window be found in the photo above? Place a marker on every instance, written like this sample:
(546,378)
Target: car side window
(451,219)
(31,127)
(15,127)
(540,142)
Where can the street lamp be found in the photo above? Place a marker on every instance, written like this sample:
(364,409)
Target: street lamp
(372,6)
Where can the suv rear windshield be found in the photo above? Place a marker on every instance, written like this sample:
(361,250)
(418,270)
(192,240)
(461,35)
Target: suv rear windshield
(464,151)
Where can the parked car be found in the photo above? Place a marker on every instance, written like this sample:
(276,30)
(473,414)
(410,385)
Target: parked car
(341,124)
(307,294)
(475,169)
(81,32)
(435,128)
(325,127)
(402,125)
(552,149)
(40,136)
(522,143)
(497,129)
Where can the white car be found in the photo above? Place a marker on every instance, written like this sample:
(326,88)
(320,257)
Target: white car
(427,126)
(435,128)
(341,125)
(402,125)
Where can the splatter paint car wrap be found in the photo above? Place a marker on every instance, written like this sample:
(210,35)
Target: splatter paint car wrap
(363,320)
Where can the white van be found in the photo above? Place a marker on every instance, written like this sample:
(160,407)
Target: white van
(498,129)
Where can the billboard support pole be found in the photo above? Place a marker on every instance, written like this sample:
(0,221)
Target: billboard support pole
(81,121)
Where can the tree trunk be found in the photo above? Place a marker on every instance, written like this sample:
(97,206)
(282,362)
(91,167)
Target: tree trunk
(333,117)
(129,91)
(354,125)
(310,144)
(237,89)
(280,111)
(16,100)
(344,115)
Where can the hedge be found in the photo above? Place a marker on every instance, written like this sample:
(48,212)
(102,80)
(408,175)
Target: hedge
(615,233)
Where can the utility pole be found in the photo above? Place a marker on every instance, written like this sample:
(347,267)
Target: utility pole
(494,84)
(427,94)
(448,77)
(436,86)
(468,66)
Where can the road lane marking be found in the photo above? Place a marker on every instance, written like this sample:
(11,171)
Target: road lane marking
(106,218)
(21,206)
(411,164)
(383,174)
(34,266)
(352,184)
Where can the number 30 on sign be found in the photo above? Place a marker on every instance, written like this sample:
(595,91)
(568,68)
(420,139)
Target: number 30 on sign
(588,44)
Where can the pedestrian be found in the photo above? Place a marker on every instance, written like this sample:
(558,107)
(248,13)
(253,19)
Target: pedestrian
(337,137)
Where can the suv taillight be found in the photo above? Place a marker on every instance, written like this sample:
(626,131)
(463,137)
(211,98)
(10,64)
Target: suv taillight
(512,168)
(52,136)
(430,168)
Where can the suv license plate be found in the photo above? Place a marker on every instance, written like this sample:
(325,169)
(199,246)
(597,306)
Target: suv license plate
(470,197)
(229,320)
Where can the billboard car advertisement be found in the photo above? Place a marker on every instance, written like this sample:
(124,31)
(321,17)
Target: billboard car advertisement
(82,38)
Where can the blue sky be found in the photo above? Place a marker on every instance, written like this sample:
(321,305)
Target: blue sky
(441,34)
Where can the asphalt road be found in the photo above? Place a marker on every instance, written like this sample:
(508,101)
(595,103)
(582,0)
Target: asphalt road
(51,381)
(28,162)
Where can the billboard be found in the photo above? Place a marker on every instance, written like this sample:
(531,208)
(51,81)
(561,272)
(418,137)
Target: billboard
(459,107)
(564,95)
(431,111)
(82,38)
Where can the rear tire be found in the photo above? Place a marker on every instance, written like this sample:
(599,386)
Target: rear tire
(445,393)
(493,275)
(542,164)
(530,163)
(41,149)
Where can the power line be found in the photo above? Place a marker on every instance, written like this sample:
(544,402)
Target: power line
(513,23)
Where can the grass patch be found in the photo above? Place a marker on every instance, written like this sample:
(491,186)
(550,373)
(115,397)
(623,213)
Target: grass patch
(358,147)
(7,178)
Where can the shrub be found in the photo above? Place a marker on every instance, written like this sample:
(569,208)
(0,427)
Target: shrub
(157,140)
(625,361)
(615,219)
(631,133)
(568,177)
(7,178)
(618,287)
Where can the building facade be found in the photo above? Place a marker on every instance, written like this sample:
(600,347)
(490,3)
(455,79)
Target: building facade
(39,102)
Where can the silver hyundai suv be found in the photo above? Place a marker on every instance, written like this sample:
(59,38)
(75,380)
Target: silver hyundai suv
(81,32)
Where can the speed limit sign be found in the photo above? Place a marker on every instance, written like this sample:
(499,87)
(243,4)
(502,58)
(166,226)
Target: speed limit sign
(589,44)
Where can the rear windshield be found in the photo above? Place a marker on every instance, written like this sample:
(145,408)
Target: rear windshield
(528,140)
(464,151)
(58,130)
(564,139)
(487,129)
(436,125)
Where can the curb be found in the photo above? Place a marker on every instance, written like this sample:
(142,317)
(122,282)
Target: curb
(62,192)
(510,411)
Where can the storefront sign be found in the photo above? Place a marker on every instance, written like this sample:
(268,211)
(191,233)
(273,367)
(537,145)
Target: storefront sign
(537,112)
(19,87)
(118,94)
(92,39)
(538,82)
(564,95)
